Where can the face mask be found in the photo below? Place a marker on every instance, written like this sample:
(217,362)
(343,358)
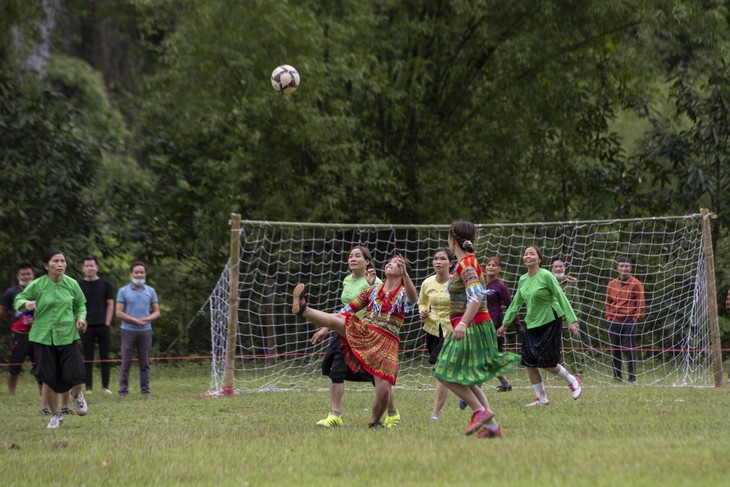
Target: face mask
(138,282)
(24,283)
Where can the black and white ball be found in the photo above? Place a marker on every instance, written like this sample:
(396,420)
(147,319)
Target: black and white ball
(285,79)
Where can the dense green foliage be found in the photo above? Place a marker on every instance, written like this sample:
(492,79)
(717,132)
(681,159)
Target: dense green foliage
(153,120)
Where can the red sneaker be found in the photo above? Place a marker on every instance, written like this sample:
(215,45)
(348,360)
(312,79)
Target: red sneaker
(478,420)
(487,433)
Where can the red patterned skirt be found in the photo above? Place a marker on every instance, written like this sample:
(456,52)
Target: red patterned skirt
(369,347)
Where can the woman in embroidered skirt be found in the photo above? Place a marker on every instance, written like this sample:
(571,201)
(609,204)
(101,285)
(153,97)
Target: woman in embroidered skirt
(469,355)
(546,305)
(370,343)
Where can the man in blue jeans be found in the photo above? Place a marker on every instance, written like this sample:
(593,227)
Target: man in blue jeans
(137,307)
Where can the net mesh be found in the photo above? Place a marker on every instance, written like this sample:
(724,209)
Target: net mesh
(273,349)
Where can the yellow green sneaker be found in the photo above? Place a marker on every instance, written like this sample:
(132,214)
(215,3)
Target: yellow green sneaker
(330,421)
(392,421)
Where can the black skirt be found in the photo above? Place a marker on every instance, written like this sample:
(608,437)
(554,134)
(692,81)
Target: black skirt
(541,345)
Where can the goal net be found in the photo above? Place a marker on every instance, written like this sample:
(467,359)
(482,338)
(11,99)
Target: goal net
(272,346)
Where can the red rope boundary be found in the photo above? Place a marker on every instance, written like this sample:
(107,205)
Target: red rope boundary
(413,350)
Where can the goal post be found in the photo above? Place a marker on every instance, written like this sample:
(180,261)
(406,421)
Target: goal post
(712,296)
(257,344)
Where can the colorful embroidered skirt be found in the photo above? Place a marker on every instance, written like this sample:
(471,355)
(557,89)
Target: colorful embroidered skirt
(371,348)
(475,358)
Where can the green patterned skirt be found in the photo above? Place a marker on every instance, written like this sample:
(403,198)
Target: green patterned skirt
(475,358)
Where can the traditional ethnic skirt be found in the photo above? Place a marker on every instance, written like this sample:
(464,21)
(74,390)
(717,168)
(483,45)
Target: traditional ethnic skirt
(475,358)
(369,347)
(541,345)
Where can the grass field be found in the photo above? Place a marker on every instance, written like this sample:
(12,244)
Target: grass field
(629,435)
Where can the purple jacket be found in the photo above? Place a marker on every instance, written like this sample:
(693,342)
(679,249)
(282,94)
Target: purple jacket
(498,301)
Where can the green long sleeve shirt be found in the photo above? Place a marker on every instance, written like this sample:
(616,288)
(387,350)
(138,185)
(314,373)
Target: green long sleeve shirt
(58,306)
(542,294)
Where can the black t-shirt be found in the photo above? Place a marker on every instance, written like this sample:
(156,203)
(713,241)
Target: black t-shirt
(97,293)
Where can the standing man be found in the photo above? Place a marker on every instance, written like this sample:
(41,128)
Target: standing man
(625,306)
(20,323)
(136,307)
(99,311)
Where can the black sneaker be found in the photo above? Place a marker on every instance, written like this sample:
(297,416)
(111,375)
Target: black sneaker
(506,387)
(67,411)
(45,412)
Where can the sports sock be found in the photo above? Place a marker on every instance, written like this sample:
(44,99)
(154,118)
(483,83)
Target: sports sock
(540,391)
(566,375)
(392,413)
(336,413)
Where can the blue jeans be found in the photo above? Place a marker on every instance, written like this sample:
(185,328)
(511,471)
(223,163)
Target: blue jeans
(142,341)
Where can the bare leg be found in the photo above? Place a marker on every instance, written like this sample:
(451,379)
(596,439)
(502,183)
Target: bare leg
(44,403)
(534,375)
(463,392)
(337,392)
(481,396)
(50,397)
(439,399)
(383,392)
(335,321)
(391,400)
(64,398)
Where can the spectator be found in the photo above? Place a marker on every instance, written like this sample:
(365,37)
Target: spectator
(625,307)
(99,309)
(137,307)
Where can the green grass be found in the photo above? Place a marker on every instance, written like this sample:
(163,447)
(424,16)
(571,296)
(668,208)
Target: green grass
(630,435)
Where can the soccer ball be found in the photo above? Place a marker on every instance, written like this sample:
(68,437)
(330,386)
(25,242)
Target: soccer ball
(285,79)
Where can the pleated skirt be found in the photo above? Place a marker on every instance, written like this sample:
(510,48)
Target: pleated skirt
(475,358)
(369,347)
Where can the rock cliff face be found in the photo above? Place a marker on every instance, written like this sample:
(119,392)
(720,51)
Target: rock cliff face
(37,59)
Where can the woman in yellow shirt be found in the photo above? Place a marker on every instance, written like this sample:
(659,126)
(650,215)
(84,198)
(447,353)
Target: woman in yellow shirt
(433,307)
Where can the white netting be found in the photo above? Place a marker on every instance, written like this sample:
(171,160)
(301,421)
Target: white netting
(273,349)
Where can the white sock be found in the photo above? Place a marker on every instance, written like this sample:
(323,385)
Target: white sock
(566,375)
(540,391)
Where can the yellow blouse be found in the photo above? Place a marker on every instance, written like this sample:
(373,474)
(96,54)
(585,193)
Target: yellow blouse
(434,298)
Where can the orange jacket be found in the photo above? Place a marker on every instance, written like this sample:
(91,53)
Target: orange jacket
(625,300)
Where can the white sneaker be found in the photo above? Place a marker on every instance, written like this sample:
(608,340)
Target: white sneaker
(542,400)
(80,403)
(107,391)
(576,390)
(55,422)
